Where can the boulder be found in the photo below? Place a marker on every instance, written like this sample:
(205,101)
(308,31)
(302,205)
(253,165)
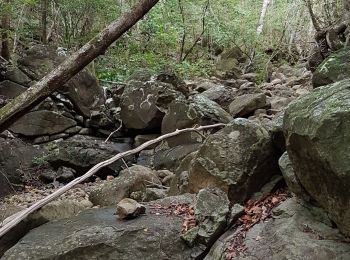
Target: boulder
(83,152)
(142,104)
(238,159)
(170,158)
(247,104)
(197,111)
(220,94)
(82,90)
(131,183)
(16,161)
(97,234)
(211,213)
(42,122)
(55,210)
(290,178)
(10,89)
(129,208)
(316,127)
(295,232)
(334,68)
(15,75)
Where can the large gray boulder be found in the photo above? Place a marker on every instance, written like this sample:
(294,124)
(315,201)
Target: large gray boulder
(83,152)
(196,111)
(143,104)
(211,212)
(246,104)
(10,89)
(316,127)
(98,234)
(334,68)
(16,161)
(131,183)
(238,159)
(82,90)
(42,122)
(295,232)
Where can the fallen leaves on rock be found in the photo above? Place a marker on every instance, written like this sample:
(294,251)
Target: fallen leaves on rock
(254,213)
(185,211)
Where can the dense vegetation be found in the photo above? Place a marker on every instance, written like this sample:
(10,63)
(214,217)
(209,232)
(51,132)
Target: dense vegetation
(185,36)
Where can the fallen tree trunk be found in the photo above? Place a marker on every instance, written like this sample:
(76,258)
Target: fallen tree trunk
(12,221)
(72,65)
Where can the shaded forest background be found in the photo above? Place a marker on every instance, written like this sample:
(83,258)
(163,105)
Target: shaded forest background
(185,36)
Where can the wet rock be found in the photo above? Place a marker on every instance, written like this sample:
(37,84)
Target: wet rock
(317,137)
(129,209)
(42,122)
(246,104)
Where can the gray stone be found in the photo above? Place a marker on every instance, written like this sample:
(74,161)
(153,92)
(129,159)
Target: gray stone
(131,182)
(82,90)
(83,237)
(58,136)
(83,152)
(183,114)
(73,130)
(170,158)
(211,212)
(15,75)
(221,94)
(239,159)
(316,127)
(16,160)
(294,232)
(41,123)
(65,174)
(334,68)
(129,209)
(140,139)
(247,104)
(290,177)
(142,104)
(10,89)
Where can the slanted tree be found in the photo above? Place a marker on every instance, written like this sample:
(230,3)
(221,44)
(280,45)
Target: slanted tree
(72,65)
(5,27)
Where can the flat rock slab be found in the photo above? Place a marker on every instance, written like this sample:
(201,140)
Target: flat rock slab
(42,122)
(98,234)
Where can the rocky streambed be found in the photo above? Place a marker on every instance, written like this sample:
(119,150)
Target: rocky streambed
(272,184)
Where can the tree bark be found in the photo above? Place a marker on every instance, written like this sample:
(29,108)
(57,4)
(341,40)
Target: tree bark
(72,65)
(5,26)
(262,16)
(44,8)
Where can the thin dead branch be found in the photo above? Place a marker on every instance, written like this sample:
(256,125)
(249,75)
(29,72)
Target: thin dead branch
(17,218)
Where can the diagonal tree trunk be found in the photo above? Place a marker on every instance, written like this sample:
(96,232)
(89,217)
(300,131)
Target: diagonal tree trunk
(72,65)
(5,26)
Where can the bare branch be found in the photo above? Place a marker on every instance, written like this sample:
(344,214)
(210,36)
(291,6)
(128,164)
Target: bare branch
(17,218)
